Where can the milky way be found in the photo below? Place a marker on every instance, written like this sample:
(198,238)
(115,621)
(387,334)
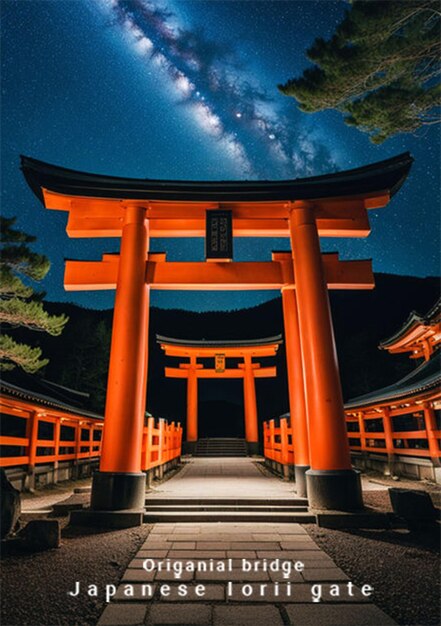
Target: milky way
(188,90)
(225,100)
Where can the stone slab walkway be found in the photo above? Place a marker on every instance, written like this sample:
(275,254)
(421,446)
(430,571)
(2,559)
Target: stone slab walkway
(235,574)
(224,478)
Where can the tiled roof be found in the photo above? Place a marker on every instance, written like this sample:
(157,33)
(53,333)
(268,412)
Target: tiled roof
(431,318)
(425,377)
(12,390)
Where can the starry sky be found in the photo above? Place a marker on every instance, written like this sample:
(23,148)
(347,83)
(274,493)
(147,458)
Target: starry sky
(187,89)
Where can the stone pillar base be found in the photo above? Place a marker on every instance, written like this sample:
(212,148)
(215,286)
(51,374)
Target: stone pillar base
(188,447)
(300,480)
(389,469)
(117,491)
(338,490)
(252,448)
(29,481)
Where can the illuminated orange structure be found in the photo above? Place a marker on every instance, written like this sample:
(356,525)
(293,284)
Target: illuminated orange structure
(334,205)
(420,335)
(40,430)
(404,419)
(244,351)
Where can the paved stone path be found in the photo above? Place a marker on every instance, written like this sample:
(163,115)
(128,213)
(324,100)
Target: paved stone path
(224,478)
(262,584)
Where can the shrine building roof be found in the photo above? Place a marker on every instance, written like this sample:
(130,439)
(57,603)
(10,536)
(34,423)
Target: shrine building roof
(415,326)
(424,378)
(45,393)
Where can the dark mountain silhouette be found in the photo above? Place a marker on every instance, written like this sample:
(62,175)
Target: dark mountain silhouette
(79,358)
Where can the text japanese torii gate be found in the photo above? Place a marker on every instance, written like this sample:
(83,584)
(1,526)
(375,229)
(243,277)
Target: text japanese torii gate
(247,370)
(333,205)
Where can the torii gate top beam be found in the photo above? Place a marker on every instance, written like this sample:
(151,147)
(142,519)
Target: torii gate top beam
(385,175)
(96,203)
(229,348)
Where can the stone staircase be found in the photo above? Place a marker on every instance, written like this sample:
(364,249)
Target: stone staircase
(160,509)
(220,447)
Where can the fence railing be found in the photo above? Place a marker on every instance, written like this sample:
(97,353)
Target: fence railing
(30,436)
(278,442)
(370,431)
(410,430)
(160,444)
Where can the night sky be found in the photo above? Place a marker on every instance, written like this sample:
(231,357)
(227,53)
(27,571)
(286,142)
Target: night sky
(187,90)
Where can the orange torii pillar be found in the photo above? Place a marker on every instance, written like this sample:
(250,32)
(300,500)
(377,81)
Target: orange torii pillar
(296,389)
(192,398)
(120,484)
(250,404)
(331,481)
(192,401)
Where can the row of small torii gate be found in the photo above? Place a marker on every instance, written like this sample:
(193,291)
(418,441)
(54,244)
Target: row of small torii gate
(334,205)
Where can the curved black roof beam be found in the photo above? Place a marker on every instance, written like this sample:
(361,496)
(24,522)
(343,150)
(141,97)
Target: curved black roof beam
(386,175)
(215,343)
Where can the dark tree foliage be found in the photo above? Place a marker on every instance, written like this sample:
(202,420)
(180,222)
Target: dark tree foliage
(20,305)
(381,68)
(86,362)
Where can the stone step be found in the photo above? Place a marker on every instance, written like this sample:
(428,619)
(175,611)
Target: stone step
(220,450)
(219,454)
(160,500)
(234,444)
(221,442)
(228,516)
(221,447)
(220,439)
(27,515)
(225,507)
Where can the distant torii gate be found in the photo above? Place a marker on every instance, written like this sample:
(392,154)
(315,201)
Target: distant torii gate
(333,205)
(244,350)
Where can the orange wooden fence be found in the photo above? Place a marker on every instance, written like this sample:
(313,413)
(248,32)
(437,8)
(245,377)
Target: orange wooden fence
(160,444)
(278,442)
(409,429)
(32,435)
(371,430)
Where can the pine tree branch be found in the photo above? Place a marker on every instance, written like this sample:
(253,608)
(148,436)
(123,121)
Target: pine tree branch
(32,315)
(13,353)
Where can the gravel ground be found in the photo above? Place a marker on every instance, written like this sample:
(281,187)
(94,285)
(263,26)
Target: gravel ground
(45,497)
(402,566)
(34,586)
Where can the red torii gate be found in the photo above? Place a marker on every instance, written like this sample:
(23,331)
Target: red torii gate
(333,205)
(245,350)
